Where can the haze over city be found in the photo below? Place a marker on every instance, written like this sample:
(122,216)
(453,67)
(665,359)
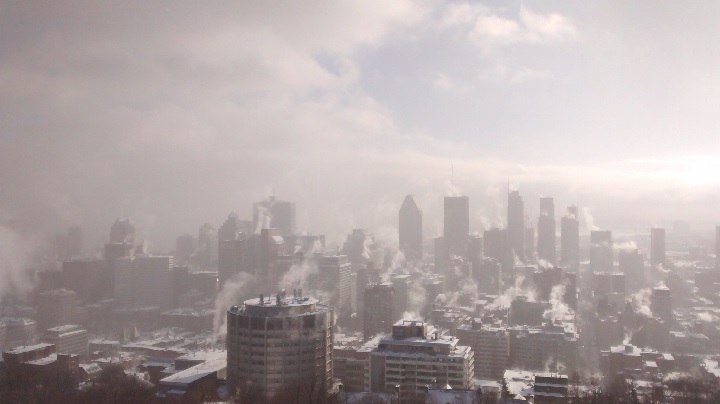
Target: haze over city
(166,128)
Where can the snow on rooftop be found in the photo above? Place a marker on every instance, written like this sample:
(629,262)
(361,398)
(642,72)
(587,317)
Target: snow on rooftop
(194,373)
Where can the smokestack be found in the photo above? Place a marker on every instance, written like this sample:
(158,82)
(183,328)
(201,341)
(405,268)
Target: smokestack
(277,299)
(300,293)
(261,298)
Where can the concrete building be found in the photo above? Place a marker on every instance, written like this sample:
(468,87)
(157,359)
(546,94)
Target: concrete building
(516,225)
(540,347)
(550,388)
(630,263)
(236,255)
(657,247)
(661,304)
(415,357)
(56,307)
(68,339)
(456,227)
(335,277)
(378,311)
(90,279)
(143,281)
(491,347)
(410,229)
(278,341)
(351,364)
(16,331)
(570,239)
(546,231)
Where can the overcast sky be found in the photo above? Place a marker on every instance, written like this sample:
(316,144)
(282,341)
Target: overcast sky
(177,112)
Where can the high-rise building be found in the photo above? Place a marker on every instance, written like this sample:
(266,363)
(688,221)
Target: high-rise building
(68,339)
(657,246)
(516,224)
(491,346)
(402,285)
(144,281)
(122,231)
(546,230)
(570,239)
(415,357)
(540,348)
(410,229)
(630,263)
(56,307)
(601,251)
(456,224)
(280,342)
(335,277)
(495,245)
(90,279)
(237,255)
(661,304)
(275,214)
(378,313)
(270,247)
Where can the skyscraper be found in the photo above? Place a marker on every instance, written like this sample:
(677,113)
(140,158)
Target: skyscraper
(516,224)
(456,224)
(657,246)
(273,213)
(546,231)
(410,229)
(280,342)
(144,281)
(570,239)
(378,311)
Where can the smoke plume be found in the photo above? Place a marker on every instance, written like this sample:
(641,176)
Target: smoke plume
(233,291)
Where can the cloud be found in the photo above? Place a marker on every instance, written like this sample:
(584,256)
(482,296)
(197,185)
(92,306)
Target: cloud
(490,29)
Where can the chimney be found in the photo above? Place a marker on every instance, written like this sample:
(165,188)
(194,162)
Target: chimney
(261,299)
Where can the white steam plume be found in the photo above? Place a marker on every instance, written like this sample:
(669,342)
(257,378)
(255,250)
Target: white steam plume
(589,220)
(641,302)
(298,274)
(628,246)
(559,309)
(231,294)
(14,254)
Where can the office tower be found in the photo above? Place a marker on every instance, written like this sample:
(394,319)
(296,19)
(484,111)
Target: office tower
(657,246)
(279,342)
(270,246)
(68,339)
(630,263)
(351,364)
(543,348)
(516,225)
(402,284)
(661,304)
(491,347)
(378,313)
(415,357)
(570,239)
(550,388)
(546,230)
(144,281)
(237,255)
(56,307)
(525,312)
(335,277)
(456,224)
(276,214)
(496,245)
(410,229)
(601,253)
(529,243)
(90,279)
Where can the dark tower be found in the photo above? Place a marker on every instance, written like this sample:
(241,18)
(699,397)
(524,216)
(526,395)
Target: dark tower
(410,229)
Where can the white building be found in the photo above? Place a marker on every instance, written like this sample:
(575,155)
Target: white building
(415,357)
(68,339)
